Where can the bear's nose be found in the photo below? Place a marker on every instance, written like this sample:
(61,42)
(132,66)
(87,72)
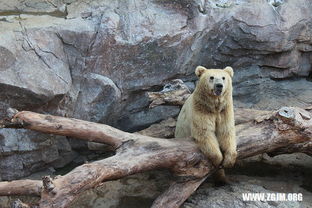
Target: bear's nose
(219,86)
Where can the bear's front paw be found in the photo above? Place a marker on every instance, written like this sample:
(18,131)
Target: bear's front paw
(216,159)
(229,159)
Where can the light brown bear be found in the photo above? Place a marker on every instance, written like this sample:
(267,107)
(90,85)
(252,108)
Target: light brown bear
(208,117)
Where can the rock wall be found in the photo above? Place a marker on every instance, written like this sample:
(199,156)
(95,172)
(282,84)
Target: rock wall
(95,60)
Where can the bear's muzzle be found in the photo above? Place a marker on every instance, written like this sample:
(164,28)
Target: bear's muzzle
(218,89)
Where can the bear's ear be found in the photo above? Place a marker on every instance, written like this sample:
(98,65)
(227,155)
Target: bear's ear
(229,70)
(200,70)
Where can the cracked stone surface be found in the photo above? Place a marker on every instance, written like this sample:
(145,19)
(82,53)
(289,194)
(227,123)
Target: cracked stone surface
(51,7)
(92,103)
(96,60)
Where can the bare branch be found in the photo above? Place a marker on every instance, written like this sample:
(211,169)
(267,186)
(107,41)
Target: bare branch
(68,127)
(20,187)
(177,193)
(47,183)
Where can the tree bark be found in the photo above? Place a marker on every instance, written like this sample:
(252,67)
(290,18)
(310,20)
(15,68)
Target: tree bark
(177,193)
(173,93)
(257,132)
(20,187)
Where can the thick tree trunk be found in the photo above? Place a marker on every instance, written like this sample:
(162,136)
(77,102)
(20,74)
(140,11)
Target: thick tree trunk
(287,129)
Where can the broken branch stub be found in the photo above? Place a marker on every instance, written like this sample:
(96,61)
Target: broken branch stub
(173,93)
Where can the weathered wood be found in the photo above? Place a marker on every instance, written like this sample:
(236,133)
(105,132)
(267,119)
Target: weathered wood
(140,157)
(79,129)
(164,129)
(177,193)
(21,187)
(304,147)
(48,185)
(285,127)
(257,132)
(173,93)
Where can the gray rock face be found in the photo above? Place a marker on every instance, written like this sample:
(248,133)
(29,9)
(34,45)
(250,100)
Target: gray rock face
(97,99)
(145,118)
(33,71)
(232,196)
(96,60)
(16,7)
(33,68)
(24,152)
(254,89)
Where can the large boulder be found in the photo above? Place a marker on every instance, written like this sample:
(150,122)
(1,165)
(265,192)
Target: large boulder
(97,99)
(33,70)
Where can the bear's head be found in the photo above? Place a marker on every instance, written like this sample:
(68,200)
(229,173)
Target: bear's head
(216,82)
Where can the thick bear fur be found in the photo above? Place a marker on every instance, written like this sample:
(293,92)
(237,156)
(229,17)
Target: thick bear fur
(208,117)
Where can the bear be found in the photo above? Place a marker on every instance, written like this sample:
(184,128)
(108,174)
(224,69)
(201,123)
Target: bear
(208,117)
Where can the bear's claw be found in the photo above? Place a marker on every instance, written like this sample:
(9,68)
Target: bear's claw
(229,160)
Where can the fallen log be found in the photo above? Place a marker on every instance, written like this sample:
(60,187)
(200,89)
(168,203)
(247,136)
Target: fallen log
(257,132)
(21,187)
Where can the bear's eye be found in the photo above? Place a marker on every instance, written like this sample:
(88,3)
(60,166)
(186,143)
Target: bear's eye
(211,78)
(223,78)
